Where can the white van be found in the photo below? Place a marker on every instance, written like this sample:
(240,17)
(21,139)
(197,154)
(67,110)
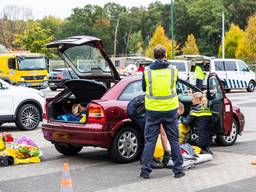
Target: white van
(234,73)
(182,66)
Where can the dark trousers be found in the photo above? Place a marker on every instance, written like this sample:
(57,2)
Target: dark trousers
(199,83)
(152,130)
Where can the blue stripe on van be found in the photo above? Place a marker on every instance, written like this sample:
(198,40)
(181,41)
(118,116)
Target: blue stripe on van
(225,83)
(230,83)
(245,83)
(242,83)
(234,82)
(238,84)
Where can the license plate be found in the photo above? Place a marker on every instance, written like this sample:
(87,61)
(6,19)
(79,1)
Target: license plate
(52,83)
(35,84)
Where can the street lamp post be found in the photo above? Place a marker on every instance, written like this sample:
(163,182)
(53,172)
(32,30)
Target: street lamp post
(172,28)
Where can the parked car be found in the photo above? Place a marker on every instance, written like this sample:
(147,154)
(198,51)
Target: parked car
(58,77)
(234,73)
(182,66)
(24,108)
(108,125)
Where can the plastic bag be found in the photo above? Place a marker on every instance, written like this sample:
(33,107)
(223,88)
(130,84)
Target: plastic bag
(159,150)
(27,150)
(2,144)
(27,160)
(26,141)
(183,132)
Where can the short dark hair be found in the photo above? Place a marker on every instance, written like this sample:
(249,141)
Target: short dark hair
(159,52)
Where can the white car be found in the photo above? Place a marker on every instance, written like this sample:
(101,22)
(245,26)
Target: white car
(21,105)
(182,67)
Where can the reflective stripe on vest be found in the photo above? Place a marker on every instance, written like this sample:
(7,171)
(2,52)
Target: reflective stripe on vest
(201,112)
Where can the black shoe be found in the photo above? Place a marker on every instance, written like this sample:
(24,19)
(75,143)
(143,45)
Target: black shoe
(166,159)
(157,164)
(179,174)
(144,175)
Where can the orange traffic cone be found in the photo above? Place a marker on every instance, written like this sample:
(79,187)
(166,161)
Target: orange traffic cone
(66,182)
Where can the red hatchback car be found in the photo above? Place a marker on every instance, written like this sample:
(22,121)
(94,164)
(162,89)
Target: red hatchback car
(106,97)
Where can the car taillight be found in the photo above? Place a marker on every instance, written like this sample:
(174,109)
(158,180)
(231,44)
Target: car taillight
(45,114)
(96,114)
(60,76)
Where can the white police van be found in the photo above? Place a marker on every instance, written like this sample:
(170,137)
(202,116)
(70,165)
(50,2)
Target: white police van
(234,73)
(182,67)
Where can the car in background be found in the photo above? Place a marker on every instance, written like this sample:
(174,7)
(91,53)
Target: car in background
(57,78)
(106,97)
(182,67)
(21,105)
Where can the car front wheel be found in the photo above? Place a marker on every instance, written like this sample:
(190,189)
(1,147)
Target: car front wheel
(229,140)
(28,117)
(126,146)
(67,149)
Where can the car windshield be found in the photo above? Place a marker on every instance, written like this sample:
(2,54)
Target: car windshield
(35,63)
(85,58)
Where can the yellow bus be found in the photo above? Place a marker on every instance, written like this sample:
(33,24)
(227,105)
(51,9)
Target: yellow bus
(24,69)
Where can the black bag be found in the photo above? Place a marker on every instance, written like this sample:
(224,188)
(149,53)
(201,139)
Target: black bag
(6,161)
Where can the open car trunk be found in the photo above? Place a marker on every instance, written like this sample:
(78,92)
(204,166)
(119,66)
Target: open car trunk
(77,92)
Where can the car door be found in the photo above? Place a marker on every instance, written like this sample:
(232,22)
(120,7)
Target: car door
(232,73)
(220,106)
(244,74)
(6,100)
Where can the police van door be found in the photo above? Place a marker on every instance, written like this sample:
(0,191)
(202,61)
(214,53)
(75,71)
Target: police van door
(220,106)
(244,74)
(232,74)
(219,69)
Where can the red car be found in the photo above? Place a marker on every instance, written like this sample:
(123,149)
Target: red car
(106,97)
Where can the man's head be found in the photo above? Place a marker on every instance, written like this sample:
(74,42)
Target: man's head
(159,52)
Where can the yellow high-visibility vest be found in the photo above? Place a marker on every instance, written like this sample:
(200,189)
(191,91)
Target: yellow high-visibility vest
(161,92)
(199,74)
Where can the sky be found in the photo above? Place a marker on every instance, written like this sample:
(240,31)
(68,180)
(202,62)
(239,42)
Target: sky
(63,8)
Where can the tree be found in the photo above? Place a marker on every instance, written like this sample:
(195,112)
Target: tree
(136,43)
(12,23)
(52,23)
(206,21)
(246,49)
(190,47)
(159,38)
(34,39)
(231,41)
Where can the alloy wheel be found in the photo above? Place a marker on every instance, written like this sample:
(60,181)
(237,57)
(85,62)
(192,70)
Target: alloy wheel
(128,144)
(30,117)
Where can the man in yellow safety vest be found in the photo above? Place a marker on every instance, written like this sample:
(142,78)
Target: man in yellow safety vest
(161,103)
(199,74)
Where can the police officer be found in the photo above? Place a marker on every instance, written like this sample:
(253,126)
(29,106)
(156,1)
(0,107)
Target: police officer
(199,118)
(200,75)
(161,103)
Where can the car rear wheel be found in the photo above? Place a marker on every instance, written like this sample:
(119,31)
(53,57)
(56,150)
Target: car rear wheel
(28,117)
(67,149)
(251,86)
(53,88)
(229,140)
(126,146)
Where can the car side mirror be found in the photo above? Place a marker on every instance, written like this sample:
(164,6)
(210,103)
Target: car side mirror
(12,63)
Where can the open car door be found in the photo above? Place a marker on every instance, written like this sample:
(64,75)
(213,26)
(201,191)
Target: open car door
(220,105)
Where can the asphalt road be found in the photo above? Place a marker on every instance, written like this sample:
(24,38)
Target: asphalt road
(92,170)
